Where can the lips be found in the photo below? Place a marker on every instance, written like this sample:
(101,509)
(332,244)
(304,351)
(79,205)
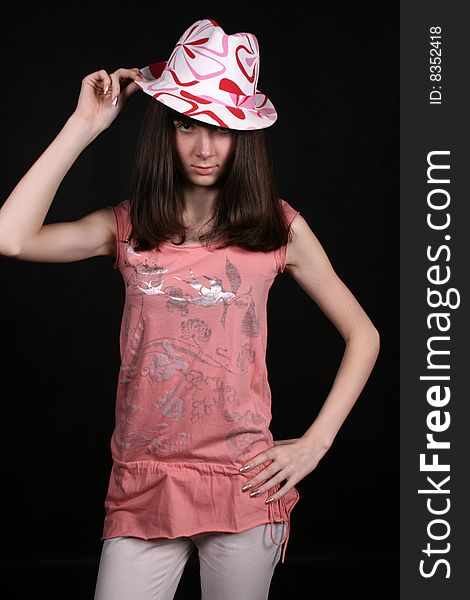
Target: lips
(203,170)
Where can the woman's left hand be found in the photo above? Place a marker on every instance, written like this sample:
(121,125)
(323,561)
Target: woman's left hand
(291,460)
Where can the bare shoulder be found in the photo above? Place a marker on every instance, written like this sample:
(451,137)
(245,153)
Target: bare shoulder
(304,245)
(308,264)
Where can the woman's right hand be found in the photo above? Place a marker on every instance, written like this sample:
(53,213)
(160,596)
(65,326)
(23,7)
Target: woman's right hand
(98,89)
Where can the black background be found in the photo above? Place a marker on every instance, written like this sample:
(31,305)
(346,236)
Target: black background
(333,78)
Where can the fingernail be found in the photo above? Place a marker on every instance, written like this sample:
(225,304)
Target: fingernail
(115,101)
(255,493)
(245,468)
(269,500)
(247,487)
(106,88)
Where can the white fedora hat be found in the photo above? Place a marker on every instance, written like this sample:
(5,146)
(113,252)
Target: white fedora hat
(212,77)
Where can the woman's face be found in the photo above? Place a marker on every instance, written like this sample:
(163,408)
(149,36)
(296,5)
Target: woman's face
(204,151)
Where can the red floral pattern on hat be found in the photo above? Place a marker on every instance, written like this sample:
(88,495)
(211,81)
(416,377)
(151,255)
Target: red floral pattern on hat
(192,46)
(222,73)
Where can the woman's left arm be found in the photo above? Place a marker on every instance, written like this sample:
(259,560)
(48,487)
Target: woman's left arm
(308,264)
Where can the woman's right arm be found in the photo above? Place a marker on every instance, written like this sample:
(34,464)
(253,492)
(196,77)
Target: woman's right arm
(23,234)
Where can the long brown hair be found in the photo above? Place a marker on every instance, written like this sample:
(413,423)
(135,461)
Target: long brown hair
(247,211)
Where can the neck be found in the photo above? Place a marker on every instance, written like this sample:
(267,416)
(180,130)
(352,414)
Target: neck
(199,201)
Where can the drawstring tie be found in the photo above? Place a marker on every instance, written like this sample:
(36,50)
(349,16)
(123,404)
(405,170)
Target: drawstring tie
(284,516)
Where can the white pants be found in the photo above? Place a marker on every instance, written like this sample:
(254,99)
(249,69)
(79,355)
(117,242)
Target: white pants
(233,566)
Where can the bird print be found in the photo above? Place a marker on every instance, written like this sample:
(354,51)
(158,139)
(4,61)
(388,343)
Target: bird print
(208,296)
(152,290)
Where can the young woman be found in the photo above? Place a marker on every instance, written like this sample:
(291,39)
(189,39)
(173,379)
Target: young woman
(198,243)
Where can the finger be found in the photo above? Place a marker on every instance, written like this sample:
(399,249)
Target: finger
(280,493)
(115,88)
(268,484)
(260,478)
(138,72)
(128,73)
(258,460)
(99,80)
(105,80)
(122,74)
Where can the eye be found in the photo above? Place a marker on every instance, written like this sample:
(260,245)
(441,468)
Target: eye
(187,125)
(183,124)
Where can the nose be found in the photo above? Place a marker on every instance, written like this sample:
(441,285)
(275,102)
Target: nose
(204,144)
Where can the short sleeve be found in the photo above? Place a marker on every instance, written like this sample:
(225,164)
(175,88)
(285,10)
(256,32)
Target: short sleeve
(289,213)
(123,229)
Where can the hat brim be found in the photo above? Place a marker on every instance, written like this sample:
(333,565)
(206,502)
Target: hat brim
(204,109)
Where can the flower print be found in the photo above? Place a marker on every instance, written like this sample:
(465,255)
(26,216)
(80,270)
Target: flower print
(173,407)
(164,366)
(229,394)
(194,376)
(195,329)
(204,398)
(200,409)
(246,420)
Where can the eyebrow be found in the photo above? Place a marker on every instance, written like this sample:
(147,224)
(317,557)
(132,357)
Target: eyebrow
(184,119)
(191,121)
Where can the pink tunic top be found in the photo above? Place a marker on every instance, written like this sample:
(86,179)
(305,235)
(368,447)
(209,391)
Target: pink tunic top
(193,400)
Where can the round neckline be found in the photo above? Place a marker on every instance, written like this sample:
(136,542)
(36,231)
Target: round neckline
(182,245)
(209,245)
